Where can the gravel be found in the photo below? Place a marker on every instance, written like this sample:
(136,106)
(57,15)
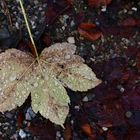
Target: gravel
(35,10)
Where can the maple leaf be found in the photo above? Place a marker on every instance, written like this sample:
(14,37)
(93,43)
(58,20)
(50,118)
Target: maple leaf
(57,67)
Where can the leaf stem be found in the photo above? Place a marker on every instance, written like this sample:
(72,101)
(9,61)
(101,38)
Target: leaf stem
(28,28)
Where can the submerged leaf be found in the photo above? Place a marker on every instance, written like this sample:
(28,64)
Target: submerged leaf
(21,75)
(98,3)
(89,31)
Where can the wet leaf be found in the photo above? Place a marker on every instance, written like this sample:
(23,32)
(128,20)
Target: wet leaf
(98,3)
(68,132)
(56,8)
(130,22)
(21,75)
(86,128)
(138,61)
(42,129)
(89,31)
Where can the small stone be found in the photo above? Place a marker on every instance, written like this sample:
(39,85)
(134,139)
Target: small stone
(104,128)
(103,9)
(71,40)
(58,134)
(22,134)
(35,2)
(17,25)
(9,115)
(14,137)
(134,9)
(72,122)
(93,46)
(29,114)
(72,23)
(128,114)
(121,88)
(63,27)
(85,99)
(77,107)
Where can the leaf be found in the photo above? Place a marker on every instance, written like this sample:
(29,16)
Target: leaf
(42,129)
(12,64)
(79,78)
(50,98)
(89,31)
(21,75)
(138,61)
(98,3)
(130,21)
(68,132)
(87,129)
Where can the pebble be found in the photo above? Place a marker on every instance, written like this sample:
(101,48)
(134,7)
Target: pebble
(104,128)
(22,134)
(33,9)
(77,107)
(103,9)
(93,47)
(14,137)
(134,9)
(9,115)
(71,40)
(58,134)
(121,88)
(85,99)
(63,27)
(89,97)
(72,23)
(29,114)
(128,114)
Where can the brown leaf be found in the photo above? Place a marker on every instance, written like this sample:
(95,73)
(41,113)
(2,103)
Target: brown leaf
(138,61)
(46,40)
(44,130)
(86,128)
(67,132)
(20,118)
(98,3)
(110,136)
(89,31)
(130,22)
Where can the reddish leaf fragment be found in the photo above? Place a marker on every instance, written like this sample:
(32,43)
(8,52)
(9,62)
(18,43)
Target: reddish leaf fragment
(50,15)
(108,111)
(131,100)
(79,17)
(98,3)
(89,31)
(46,39)
(56,8)
(138,61)
(20,119)
(86,128)
(22,45)
(110,136)
(30,45)
(67,132)
(133,135)
(119,31)
(44,130)
(130,22)
(132,51)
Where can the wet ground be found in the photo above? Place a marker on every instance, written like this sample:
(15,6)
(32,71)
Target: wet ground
(107,36)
